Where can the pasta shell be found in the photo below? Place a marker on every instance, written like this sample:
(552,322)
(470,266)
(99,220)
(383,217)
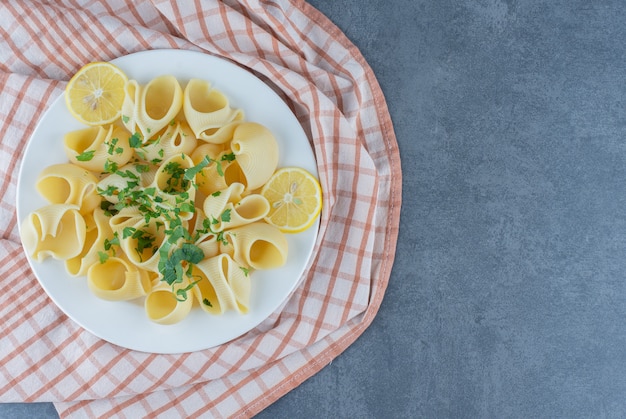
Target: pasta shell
(215,204)
(127,217)
(229,210)
(251,140)
(149,108)
(175,139)
(117,280)
(171,184)
(96,145)
(211,178)
(97,230)
(222,285)
(203,236)
(142,243)
(209,245)
(162,306)
(128,177)
(209,113)
(257,245)
(66,183)
(208,179)
(207,149)
(56,230)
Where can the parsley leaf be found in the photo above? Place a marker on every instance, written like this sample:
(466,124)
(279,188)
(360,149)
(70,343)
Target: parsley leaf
(135,140)
(182,292)
(128,232)
(142,168)
(225,217)
(108,208)
(115,241)
(171,265)
(112,147)
(86,155)
(110,190)
(191,253)
(110,166)
(103,256)
(191,173)
(221,238)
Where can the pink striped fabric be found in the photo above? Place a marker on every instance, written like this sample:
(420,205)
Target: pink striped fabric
(44,356)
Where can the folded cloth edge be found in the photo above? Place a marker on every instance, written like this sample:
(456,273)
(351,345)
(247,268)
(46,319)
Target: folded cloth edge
(391,236)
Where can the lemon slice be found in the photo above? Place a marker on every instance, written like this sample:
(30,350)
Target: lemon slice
(95,94)
(295,198)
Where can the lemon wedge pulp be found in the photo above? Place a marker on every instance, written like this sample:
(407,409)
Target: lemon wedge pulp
(95,94)
(295,198)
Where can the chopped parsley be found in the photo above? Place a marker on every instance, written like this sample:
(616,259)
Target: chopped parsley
(178,262)
(103,256)
(193,171)
(225,217)
(110,166)
(177,182)
(112,147)
(115,241)
(135,140)
(86,155)
(179,251)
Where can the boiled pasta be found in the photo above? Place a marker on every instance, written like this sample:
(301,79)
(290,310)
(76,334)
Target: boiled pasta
(176,138)
(149,108)
(163,204)
(117,279)
(241,209)
(92,147)
(251,140)
(98,230)
(209,113)
(142,241)
(56,230)
(163,305)
(66,183)
(257,245)
(222,285)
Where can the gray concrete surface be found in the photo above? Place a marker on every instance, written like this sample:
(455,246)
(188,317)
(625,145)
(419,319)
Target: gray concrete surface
(508,295)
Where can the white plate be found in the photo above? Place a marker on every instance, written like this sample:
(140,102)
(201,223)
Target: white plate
(125,323)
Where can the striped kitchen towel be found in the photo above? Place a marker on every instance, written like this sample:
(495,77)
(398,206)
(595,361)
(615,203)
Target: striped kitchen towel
(313,67)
